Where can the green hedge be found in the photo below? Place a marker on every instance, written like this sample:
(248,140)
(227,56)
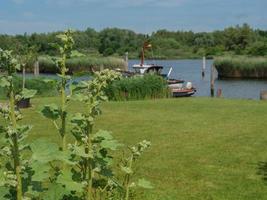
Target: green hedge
(80,64)
(138,88)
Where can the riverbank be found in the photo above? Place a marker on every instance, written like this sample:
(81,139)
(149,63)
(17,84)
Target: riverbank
(202,148)
(241,67)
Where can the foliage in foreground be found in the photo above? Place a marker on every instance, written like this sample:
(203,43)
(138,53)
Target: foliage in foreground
(81,169)
(137,88)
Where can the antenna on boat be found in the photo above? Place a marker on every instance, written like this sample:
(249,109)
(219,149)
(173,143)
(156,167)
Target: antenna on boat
(169,73)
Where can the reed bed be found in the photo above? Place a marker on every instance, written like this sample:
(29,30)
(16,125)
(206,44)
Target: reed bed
(82,64)
(138,88)
(241,67)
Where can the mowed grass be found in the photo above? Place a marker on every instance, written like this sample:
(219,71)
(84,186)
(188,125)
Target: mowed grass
(202,148)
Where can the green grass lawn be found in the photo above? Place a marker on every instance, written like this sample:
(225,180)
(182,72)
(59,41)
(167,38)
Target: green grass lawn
(201,148)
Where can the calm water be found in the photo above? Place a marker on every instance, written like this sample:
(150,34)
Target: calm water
(190,70)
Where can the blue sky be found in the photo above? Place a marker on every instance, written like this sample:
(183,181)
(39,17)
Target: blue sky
(144,16)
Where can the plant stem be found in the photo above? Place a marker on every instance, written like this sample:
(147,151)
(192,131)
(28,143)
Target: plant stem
(63,104)
(16,155)
(128,180)
(23,77)
(89,164)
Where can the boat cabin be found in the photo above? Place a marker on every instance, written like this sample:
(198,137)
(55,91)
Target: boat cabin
(148,69)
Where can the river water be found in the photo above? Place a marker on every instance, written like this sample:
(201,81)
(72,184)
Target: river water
(190,70)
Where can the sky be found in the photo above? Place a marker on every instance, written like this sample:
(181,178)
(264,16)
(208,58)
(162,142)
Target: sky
(142,16)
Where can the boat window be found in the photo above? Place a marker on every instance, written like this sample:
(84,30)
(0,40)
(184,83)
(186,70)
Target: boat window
(137,70)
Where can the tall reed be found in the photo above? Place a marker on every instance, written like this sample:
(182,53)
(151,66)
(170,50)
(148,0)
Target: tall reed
(84,63)
(241,66)
(138,88)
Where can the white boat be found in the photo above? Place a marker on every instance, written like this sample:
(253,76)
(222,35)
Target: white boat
(177,88)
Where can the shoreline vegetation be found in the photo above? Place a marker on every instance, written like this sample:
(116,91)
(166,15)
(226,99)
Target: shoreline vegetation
(241,67)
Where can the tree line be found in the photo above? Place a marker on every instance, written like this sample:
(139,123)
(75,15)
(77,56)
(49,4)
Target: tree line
(237,40)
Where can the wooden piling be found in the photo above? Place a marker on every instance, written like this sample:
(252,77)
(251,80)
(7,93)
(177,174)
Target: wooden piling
(212,71)
(203,67)
(127,61)
(263,95)
(219,93)
(36,68)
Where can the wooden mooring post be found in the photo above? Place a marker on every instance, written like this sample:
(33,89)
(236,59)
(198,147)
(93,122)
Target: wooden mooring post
(219,93)
(263,95)
(126,61)
(212,72)
(36,68)
(203,67)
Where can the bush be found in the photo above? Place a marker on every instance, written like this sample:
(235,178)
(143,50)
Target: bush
(138,88)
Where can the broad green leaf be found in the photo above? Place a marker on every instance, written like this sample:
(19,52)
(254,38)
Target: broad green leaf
(55,192)
(110,144)
(2,178)
(49,80)
(44,151)
(104,135)
(41,171)
(66,77)
(79,151)
(4,82)
(144,184)
(107,140)
(26,94)
(65,178)
(80,97)
(3,192)
(78,119)
(76,54)
(51,111)
(127,170)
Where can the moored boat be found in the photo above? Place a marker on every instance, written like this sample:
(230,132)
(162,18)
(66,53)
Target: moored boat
(176,86)
(179,90)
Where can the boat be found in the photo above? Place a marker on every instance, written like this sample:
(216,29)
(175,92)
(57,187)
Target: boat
(181,90)
(178,88)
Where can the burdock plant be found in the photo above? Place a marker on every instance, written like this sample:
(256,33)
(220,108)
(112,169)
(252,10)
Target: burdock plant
(13,159)
(55,112)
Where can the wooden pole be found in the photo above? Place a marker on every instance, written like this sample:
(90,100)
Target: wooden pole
(219,93)
(212,81)
(36,68)
(127,61)
(203,67)
(23,77)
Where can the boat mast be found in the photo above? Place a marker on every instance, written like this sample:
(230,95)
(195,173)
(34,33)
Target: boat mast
(143,56)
